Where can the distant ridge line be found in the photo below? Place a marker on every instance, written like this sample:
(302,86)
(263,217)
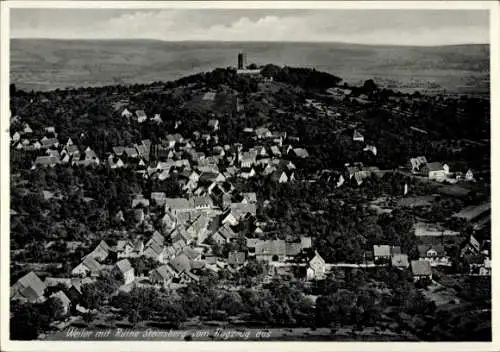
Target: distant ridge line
(241,42)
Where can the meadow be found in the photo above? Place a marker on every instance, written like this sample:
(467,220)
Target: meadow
(44,64)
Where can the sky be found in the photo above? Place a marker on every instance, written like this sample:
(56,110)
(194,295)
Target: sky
(382,26)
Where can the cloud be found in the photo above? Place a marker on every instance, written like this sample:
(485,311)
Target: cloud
(411,27)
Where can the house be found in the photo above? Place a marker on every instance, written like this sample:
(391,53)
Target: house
(157,118)
(91,157)
(178,205)
(126,113)
(213,124)
(192,253)
(357,137)
(270,250)
(49,142)
(180,233)
(479,265)
(101,252)
(246,174)
(370,148)
(249,198)
(279,177)
(181,263)
(210,177)
(124,271)
(55,281)
(124,248)
(159,198)
(16,137)
(224,234)
(421,269)
(51,130)
(131,152)
(115,163)
(434,171)
(400,261)
(417,163)
(89,266)
(154,250)
(168,254)
(471,247)
(263,132)
(239,210)
(46,161)
(141,116)
(140,202)
(261,151)
(157,238)
(236,258)
(435,255)
(162,275)
(300,153)
(246,160)
(28,288)
(27,129)
(198,229)
(316,267)
(275,151)
(469,176)
(65,301)
(229,218)
(168,222)
(381,253)
(138,246)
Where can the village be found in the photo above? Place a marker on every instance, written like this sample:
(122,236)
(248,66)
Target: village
(213,226)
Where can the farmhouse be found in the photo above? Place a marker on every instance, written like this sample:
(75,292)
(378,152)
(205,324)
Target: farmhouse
(124,270)
(421,269)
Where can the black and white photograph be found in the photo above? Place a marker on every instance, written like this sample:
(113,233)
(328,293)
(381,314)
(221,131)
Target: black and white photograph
(257,174)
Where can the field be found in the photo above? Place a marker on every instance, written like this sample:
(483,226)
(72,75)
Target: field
(43,64)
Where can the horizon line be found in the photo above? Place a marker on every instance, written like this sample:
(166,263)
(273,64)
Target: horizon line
(244,41)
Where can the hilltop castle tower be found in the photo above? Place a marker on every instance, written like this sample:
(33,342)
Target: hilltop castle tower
(242,60)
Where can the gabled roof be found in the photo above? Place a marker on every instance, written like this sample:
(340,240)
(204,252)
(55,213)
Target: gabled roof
(121,244)
(91,264)
(239,209)
(434,166)
(181,263)
(140,113)
(32,281)
(124,266)
(382,251)
(165,271)
(53,281)
(157,238)
(293,248)
(251,197)
(357,135)
(400,260)
(252,242)
(154,249)
(236,258)
(47,160)
(421,268)
(270,247)
(118,150)
(423,249)
(226,232)
(62,297)
(191,252)
(202,201)
(301,152)
(178,203)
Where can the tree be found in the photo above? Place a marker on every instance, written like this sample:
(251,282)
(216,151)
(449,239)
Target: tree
(26,323)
